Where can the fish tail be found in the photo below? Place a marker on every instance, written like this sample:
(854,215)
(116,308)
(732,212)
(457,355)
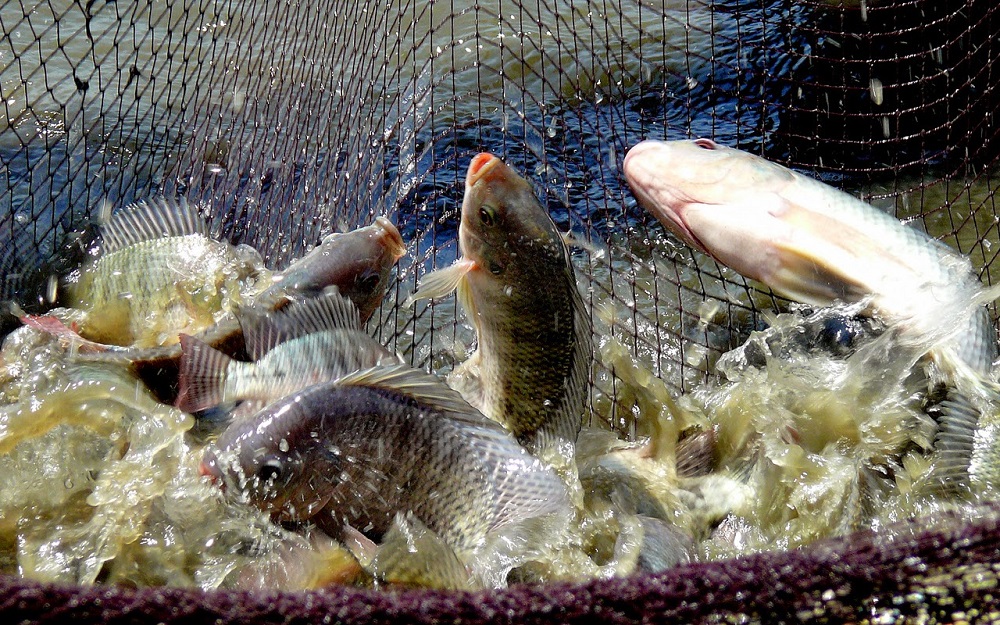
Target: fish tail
(201,381)
(954,443)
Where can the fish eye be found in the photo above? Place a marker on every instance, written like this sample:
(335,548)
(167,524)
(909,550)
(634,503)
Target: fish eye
(270,471)
(488,215)
(706,144)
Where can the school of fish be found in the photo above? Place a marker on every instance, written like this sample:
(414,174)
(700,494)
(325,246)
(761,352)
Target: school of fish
(265,439)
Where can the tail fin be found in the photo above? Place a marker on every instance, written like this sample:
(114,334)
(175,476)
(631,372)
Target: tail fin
(202,376)
(954,443)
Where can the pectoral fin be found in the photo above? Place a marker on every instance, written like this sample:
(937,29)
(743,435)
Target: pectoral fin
(441,282)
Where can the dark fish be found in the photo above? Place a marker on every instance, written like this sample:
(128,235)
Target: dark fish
(516,284)
(380,442)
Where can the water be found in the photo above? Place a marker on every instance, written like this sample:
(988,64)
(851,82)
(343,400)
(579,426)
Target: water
(286,135)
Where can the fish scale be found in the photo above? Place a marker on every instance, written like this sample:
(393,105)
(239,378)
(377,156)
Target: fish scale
(385,441)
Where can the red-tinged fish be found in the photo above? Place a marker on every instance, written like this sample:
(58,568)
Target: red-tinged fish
(815,244)
(516,284)
(307,342)
(388,440)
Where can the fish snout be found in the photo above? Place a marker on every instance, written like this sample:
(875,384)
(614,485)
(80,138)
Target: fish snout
(636,151)
(481,165)
(391,237)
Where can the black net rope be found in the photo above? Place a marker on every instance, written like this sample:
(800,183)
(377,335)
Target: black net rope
(289,120)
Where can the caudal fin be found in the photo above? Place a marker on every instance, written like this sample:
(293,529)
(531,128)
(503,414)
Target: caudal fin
(202,377)
(954,443)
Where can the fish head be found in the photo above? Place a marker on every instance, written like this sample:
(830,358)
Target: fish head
(672,179)
(503,222)
(268,461)
(359,263)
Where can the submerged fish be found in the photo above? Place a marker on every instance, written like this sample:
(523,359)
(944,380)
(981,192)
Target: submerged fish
(159,273)
(515,282)
(380,442)
(307,342)
(358,263)
(815,244)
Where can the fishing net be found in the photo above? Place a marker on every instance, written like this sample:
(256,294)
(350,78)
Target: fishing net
(288,120)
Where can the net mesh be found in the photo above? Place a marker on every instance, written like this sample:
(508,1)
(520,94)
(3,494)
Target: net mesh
(287,120)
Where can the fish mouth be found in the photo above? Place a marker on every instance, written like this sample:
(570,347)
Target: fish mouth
(664,201)
(481,165)
(391,236)
(207,468)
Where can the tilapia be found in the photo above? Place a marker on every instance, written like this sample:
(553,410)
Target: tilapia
(379,442)
(358,263)
(159,273)
(815,244)
(307,342)
(515,282)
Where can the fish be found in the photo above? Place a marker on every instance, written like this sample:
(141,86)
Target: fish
(158,272)
(516,284)
(358,263)
(818,245)
(307,342)
(387,440)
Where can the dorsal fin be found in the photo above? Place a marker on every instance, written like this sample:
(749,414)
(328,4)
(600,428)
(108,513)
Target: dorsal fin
(426,388)
(265,329)
(151,219)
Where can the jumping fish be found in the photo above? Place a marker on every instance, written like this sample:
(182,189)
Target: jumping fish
(815,244)
(516,284)
(383,441)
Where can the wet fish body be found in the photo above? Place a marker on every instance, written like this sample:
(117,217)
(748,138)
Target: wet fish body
(815,244)
(159,273)
(307,342)
(359,263)
(515,282)
(385,441)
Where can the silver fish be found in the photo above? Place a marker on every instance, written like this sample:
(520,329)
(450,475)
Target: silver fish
(306,342)
(815,244)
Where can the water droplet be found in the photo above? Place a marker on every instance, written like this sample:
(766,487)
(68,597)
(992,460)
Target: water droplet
(68,483)
(283,445)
